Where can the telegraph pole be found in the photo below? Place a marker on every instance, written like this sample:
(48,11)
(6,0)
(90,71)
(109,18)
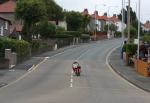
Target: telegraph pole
(128,21)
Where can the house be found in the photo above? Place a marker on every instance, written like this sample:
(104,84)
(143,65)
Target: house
(62,24)
(146,27)
(7,11)
(98,22)
(4,26)
(114,20)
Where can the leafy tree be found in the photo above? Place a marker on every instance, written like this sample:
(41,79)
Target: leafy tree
(85,22)
(132,13)
(133,32)
(54,11)
(74,20)
(31,12)
(45,29)
(112,27)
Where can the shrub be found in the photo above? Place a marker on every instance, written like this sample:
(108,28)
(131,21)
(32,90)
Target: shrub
(39,46)
(118,34)
(22,48)
(67,34)
(130,49)
(146,38)
(85,36)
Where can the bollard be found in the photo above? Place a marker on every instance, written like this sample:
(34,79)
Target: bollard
(13,59)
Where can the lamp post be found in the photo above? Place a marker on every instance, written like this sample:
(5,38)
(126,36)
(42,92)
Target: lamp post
(139,17)
(95,35)
(122,20)
(128,21)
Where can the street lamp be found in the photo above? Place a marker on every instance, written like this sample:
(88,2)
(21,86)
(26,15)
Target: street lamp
(96,18)
(108,32)
(123,20)
(139,17)
(128,21)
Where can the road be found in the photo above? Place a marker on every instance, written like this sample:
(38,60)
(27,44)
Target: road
(53,81)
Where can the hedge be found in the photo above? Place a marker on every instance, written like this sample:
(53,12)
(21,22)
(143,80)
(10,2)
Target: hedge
(69,33)
(21,47)
(130,49)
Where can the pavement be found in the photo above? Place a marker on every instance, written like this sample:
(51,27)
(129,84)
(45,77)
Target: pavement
(128,72)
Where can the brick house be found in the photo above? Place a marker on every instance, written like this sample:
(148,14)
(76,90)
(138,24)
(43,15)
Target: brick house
(7,11)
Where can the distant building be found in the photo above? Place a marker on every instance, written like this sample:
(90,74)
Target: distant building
(4,26)
(62,24)
(146,26)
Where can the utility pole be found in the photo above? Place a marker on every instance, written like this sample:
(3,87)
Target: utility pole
(122,20)
(139,18)
(128,21)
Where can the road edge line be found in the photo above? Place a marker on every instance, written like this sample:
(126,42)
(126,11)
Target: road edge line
(119,75)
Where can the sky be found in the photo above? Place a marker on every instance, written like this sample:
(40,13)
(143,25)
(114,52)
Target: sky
(102,6)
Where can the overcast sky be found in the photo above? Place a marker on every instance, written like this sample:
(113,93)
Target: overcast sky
(79,5)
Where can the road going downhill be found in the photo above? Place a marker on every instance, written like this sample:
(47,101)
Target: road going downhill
(53,80)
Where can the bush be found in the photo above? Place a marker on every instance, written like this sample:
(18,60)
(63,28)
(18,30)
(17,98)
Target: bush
(118,34)
(146,38)
(69,34)
(130,49)
(39,46)
(85,36)
(22,48)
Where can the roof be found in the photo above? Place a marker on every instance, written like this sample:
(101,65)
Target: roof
(8,6)
(6,20)
(114,19)
(103,17)
(147,25)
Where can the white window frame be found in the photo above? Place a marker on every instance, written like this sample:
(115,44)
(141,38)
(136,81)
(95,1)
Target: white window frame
(6,25)
(1,31)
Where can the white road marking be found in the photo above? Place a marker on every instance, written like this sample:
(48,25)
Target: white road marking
(71,80)
(32,69)
(107,63)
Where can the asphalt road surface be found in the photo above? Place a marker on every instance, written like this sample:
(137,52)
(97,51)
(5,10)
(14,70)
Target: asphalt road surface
(52,81)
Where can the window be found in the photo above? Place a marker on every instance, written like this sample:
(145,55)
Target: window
(6,25)
(1,31)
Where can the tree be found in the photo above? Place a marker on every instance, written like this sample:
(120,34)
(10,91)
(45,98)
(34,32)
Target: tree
(45,29)
(133,15)
(54,11)
(85,22)
(133,32)
(112,27)
(74,20)
(31,12)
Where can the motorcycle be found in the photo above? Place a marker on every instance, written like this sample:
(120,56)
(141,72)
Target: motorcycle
(77,71)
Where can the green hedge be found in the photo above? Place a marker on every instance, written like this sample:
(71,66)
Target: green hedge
(69,34)
(146,38)
(85,36)
(22,48)
(130,49)
(39,46)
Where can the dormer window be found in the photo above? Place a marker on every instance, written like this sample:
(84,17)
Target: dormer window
(6,25)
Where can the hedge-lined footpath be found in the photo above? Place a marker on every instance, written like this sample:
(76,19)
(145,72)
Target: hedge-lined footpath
(21,47)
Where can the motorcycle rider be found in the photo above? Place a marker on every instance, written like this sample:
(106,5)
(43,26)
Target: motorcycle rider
(75,65)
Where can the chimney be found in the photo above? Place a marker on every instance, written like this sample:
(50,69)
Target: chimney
(96,12)
(105,14)
(86,11)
